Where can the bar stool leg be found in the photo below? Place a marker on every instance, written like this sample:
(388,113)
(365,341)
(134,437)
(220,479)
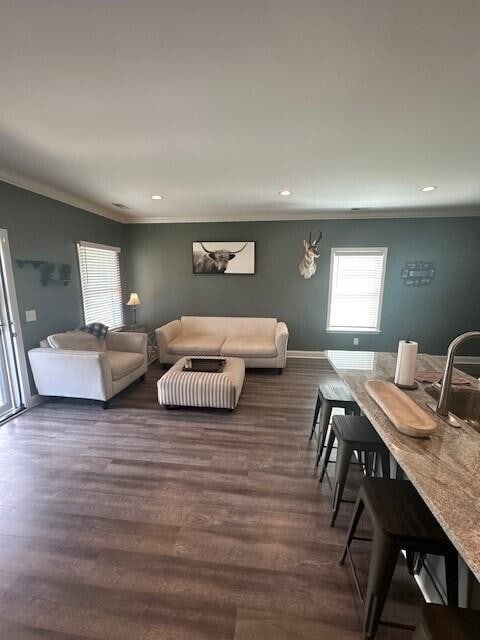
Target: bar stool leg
(382,565)
(385,458)
(324,421)
(451,573)
(357,512)
(399,473)
(344,456)
(368,463)
(328,453)
(315,415)
(413,559)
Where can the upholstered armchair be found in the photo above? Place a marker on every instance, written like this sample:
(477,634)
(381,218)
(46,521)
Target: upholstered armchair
(78,365)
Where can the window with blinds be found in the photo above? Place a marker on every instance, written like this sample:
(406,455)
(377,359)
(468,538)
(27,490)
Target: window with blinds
(101,284)
(356,289)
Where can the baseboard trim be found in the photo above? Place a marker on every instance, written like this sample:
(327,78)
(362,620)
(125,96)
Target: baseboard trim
(306,354)
(35,400)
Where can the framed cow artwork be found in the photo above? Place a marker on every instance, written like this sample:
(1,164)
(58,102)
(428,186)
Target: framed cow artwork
(226,258)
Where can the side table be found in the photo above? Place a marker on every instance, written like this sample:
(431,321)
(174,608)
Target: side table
(152,353)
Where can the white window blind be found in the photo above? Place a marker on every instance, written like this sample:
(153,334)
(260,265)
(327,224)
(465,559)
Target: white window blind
(362,360)
(101,284)
(356,289)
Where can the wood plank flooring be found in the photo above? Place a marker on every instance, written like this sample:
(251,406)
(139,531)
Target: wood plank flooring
(141,523)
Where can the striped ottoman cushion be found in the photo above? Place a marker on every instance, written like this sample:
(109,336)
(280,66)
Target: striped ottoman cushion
(200,388)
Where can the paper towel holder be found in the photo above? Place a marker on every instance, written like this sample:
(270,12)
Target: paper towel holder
(406,387)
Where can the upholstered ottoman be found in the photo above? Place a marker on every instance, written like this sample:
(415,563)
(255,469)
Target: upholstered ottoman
(178,388)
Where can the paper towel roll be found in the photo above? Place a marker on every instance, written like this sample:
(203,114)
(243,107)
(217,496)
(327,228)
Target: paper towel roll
(406,363)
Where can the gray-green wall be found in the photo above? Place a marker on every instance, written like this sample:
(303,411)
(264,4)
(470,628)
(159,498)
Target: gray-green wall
(156,262)
(40,228)
(160,269)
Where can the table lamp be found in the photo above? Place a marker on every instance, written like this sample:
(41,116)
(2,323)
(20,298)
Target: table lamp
(134,301)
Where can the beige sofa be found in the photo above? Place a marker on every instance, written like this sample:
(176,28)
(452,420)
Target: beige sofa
(260,342)
(76,364)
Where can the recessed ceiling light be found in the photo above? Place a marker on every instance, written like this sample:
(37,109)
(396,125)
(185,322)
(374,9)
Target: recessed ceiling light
(119,205)
(428,188)
(157,197)
(285,192)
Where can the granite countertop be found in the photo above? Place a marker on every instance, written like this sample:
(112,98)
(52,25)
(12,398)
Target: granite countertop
(445,468)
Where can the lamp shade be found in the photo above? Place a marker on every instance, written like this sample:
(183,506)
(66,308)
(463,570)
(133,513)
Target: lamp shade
(134,300)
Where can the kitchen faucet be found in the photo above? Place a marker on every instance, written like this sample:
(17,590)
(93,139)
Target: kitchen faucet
(446,382)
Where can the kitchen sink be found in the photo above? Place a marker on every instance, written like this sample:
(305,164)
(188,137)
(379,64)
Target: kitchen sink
(463,402)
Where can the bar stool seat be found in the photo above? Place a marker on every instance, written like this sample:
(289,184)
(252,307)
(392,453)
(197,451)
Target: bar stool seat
(353,433)
(400,520)
(447,623)
(332,394)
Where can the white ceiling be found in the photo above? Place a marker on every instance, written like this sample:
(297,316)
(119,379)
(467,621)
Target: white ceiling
(220,104)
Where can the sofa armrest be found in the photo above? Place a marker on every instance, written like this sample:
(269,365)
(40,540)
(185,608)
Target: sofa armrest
(164,335)
(281,341)
(71,374)
(128,341)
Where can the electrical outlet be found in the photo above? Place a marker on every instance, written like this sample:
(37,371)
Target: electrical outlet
(356,341)
(31,315)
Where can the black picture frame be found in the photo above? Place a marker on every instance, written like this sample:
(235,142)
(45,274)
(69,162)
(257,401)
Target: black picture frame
(223,266)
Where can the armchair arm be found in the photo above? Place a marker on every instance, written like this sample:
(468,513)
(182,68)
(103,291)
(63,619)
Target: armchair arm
(71,374)
(127,341)
(164,335)
(281,340)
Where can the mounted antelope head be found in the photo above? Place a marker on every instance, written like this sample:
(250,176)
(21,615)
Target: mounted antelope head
(308,266)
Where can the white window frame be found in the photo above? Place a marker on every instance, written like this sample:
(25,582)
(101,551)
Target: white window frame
(353,251)
(104,247)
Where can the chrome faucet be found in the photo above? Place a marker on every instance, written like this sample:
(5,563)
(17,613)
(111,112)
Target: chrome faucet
(446,382)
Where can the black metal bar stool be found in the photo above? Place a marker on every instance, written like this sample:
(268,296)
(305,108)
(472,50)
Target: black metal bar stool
(447,623)
(400,520)
(353,433)
(331,394)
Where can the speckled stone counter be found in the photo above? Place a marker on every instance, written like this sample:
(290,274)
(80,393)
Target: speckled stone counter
(444,468)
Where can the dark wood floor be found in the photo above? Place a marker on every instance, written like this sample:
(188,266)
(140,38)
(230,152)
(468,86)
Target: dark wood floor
(140,523)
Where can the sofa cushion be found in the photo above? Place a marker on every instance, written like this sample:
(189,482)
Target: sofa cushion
(249,347)
(191,344)
(123,362)
(229,326)
(77,340)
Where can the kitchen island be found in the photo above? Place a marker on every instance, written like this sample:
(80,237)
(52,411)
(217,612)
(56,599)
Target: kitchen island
(445,468)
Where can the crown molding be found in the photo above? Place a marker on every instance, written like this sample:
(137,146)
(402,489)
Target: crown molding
(460,212)
(246,216)
(60,196)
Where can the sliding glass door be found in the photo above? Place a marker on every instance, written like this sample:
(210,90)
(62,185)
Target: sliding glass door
(10,388)
(6,395)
